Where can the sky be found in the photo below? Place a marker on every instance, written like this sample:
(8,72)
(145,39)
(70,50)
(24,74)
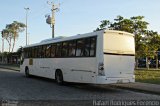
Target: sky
(74,16)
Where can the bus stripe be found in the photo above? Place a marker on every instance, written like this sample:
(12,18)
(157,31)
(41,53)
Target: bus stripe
(81,70)
(119,54)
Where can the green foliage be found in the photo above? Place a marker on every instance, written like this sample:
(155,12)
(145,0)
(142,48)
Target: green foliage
(5,54)
(11,33)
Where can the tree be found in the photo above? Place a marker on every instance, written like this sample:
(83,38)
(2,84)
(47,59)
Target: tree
(104,24)
(15,28)
(122,24)
(11,33)
(7,36)
(154,44)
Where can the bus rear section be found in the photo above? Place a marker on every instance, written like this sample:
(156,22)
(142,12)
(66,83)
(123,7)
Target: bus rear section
(118,58)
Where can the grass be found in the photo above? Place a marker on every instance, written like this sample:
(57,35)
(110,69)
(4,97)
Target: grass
(15,67)
(148,76)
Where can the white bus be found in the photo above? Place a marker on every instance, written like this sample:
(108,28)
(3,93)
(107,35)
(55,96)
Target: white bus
(100,57)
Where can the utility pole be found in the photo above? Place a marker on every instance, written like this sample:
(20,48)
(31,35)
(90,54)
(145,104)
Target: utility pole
(27,9)
(51,20)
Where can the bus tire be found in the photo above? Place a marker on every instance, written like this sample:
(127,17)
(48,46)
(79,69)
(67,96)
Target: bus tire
(27,72)
(59,77)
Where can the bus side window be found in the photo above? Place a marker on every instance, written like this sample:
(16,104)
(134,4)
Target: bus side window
(72,48)
(53,50)
(26,53)
(80,47)
(35,51)
(38,52)
(58,49)
(65,49)
(42,51)
(86,49)
(93,47)
(30,53)
(48,49)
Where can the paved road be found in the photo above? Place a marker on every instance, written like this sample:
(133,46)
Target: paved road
(15,86)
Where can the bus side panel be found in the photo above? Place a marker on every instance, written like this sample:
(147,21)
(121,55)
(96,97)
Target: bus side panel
(82,70)
(77,69)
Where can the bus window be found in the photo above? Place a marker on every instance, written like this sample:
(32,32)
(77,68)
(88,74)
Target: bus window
(80,47)
(65,49)
(87,47)
(38,52)
(48,51)
(53,50)
(35,51)
(26,53)
(42,51)
(93,47)
(72,48)
(29,52)
(58,49)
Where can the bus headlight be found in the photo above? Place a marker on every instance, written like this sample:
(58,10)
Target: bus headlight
(101,69)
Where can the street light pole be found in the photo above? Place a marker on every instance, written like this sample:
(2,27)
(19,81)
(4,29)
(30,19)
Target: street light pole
(27,9)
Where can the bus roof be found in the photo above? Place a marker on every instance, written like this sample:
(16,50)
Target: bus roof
(121,32)
(78,36)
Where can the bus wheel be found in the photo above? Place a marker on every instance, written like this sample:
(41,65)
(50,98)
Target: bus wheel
(59,77)
(27,72)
